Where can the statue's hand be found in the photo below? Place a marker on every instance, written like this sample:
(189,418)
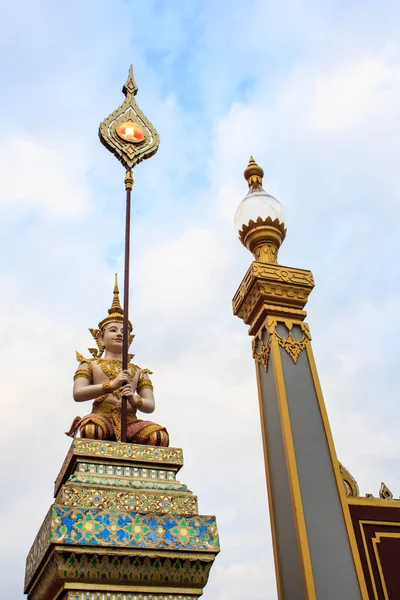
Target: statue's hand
(127,391)
(122,379)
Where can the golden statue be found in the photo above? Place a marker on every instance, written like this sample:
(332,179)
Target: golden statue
(102,379)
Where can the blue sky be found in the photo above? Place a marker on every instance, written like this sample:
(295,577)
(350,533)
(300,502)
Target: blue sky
(312,90)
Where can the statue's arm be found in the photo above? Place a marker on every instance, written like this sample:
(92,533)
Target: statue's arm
(145,401)
(84,389)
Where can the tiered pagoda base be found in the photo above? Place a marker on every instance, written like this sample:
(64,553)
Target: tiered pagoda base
(122,527)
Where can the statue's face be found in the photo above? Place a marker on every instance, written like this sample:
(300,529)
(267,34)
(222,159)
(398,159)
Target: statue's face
(112,337)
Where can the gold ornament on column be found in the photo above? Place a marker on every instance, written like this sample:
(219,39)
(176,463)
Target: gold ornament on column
(260,218)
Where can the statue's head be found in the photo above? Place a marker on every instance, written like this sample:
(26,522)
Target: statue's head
(109,333)
(110,337)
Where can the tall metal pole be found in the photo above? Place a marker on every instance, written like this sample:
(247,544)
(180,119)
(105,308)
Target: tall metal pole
(125,334)
(130,136)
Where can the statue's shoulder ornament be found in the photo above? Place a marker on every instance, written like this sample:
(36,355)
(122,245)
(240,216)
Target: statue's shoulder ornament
(81,359)
(144,379)
(83,371)
(133,367)
(146,371)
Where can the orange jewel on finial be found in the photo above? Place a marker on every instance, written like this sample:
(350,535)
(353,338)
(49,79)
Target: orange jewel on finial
(130,131)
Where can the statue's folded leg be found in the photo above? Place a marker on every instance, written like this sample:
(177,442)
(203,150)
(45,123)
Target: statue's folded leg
(95,427)
(148,433)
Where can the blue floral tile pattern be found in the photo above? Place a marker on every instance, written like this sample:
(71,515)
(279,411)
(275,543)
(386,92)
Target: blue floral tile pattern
(128,528)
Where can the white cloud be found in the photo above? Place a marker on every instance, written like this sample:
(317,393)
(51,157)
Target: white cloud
(33,174)
(182,276)
(351,94)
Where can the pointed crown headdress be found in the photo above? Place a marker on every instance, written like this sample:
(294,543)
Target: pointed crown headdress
(115,315)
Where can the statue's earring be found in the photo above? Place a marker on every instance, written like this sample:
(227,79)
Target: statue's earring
(96,334)
(130,338)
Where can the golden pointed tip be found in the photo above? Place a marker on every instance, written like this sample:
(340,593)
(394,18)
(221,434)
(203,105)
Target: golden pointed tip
(253,173)
(116,305)
(130,84)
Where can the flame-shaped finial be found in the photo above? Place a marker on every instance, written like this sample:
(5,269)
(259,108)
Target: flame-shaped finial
(127,132)
(253,173)
(130,86)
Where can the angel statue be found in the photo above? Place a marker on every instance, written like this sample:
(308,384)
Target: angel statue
(102,379)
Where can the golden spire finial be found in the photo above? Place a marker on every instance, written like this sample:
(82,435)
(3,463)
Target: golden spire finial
(253,173)
(116,305)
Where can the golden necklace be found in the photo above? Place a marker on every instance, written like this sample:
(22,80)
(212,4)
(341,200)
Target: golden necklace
(112,367)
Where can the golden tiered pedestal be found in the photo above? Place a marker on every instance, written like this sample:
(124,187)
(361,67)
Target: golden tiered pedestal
(122,527)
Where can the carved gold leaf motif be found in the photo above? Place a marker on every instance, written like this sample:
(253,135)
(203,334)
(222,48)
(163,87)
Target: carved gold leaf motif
(261,352)
(384,492)
(350,484)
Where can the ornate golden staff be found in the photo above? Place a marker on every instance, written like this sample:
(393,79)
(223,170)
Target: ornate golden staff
(130,136)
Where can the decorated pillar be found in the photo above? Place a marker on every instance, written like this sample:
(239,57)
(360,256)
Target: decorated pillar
(314,545)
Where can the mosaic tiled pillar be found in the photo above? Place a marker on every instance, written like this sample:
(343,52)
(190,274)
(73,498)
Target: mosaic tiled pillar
(122,527)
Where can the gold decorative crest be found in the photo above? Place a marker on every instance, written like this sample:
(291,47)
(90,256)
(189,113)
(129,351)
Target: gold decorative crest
(127,132)
(293,346)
